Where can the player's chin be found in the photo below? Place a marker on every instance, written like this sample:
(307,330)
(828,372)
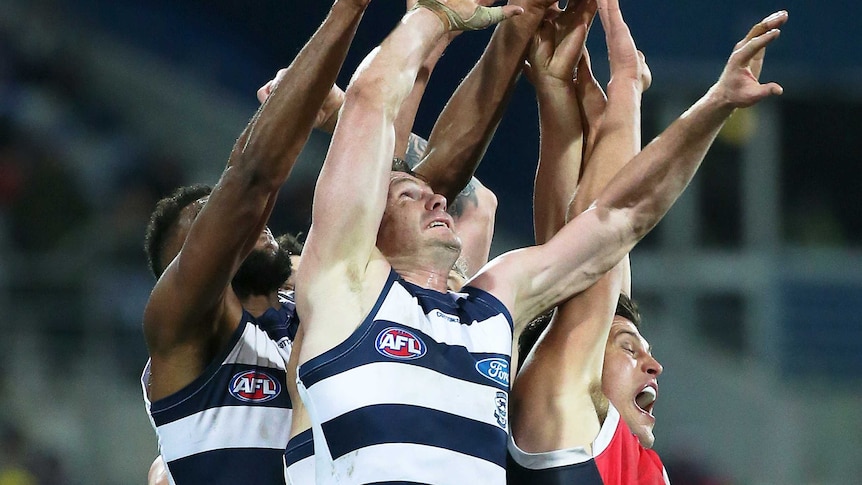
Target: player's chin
(645,435)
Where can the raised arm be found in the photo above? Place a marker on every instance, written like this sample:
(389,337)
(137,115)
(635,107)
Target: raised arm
(190,304)
(538,278)
(340,255)
(618,135)
(474,208)
(467,123)
(553,56)
(464,129)
(562,374)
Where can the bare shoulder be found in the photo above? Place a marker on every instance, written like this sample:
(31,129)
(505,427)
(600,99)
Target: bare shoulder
(332,300)
(500,276)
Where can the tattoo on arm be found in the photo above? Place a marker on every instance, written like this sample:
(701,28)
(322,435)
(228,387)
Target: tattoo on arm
(416,146)
(466,196)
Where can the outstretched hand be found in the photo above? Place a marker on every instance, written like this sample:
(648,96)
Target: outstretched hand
(773,21)
(264,91)
(625,59)
(558,45)
(326,117)
(458,15)
(739,84)
(411,4)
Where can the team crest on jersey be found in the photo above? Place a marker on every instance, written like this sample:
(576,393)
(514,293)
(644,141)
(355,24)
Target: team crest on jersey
(501,411)
(254,386)
(496,369)
(401,344)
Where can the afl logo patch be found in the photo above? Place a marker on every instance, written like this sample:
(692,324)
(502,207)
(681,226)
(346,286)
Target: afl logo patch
(496,369)
(254,386)
(401,344)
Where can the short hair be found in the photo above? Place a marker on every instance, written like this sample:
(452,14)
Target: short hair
(531,334)
(401,165)
(163,222)
(626,308)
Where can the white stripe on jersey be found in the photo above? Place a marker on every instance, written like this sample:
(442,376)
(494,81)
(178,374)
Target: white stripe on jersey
(368,465)
(301,472)
(228,427)
(397,383)
(343,386)
(491,336)
(567,456)
(256,348)
(607,431)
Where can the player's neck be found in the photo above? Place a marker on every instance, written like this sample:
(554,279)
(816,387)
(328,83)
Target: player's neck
(257,305)
(429,269)
(431,279)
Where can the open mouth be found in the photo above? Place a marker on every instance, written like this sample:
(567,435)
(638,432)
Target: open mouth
(437,224)
(645,399)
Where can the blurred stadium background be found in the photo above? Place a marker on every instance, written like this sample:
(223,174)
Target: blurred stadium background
(751,287)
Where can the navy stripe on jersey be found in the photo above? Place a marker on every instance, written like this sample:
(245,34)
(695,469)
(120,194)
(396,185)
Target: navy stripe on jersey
(282,322)
(417,392)
(299,447)
(394,423)
(395,483)
(230,425)
(307,370)
(210,370)
(278,323)
(585,473)
(478,305)
(438,357)
(217,394)
(229,467)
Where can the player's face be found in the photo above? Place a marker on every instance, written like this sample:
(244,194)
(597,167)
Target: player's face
(266,242)
(265,269)
(415,217)
(629,378)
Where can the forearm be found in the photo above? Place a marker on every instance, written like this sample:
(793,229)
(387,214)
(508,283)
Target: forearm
(275,136)
(560,154)
(618,137)
(474,212)
(467,123)
(360,153)
(618,140)
(410,106)
(633,202)
(656,177)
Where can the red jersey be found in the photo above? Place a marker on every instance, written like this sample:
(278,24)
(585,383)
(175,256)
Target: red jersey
(617,459)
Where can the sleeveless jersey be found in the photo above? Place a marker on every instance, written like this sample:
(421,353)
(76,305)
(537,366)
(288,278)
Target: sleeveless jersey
(417,394)
(618,459)
(299,460)
(232,423)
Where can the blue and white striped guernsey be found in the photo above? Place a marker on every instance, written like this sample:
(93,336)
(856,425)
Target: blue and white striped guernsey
(417,394)
(299,459)
(232,423)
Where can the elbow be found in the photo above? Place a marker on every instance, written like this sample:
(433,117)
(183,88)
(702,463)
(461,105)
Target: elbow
(370,91)
(631,217)
(623,228)
(252,178)
(487,198)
